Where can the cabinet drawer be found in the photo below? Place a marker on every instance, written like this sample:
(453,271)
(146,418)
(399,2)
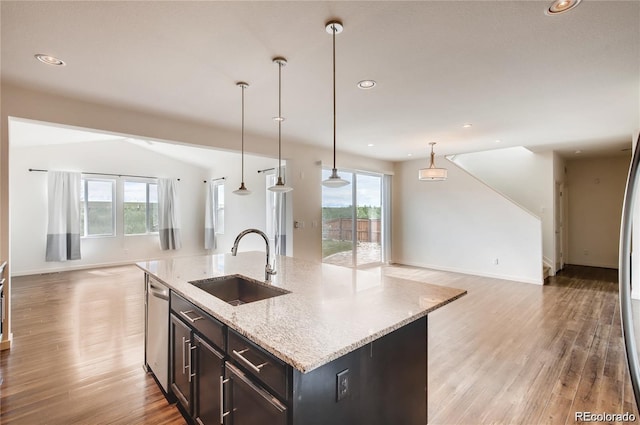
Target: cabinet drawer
(271,371)
(207,326)
(251,404)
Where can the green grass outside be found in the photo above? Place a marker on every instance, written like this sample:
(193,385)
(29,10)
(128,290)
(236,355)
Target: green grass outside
(330,247)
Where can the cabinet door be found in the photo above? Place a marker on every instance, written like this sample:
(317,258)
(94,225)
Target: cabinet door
(251,404)
(181,362)
(209,365)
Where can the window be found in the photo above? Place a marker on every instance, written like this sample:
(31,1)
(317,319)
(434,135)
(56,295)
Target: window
(219,206)
(355,236)
(97,213)
(140,207)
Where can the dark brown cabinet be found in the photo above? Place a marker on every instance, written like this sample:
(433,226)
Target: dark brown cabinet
(249,403)
(180,377)
(220,377)
(207,396)
(197,363)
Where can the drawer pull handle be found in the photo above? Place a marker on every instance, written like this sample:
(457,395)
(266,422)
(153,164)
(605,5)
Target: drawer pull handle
(185,314)
(222,412)
(255,368)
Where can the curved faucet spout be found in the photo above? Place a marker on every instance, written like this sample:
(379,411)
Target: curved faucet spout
(268,270)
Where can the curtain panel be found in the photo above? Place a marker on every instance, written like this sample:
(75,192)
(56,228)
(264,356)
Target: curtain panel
(63,230)
(210,217)
(168,214)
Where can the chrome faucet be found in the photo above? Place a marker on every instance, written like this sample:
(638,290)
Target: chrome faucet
(268,269)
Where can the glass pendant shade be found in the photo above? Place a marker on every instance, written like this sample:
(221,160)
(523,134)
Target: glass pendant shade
(334,180)
(280,187)
(242,190)
(432,173)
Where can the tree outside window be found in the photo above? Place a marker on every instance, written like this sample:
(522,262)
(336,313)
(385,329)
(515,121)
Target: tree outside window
(140,207)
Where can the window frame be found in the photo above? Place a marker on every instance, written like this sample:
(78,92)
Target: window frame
(147,183)
(85,203)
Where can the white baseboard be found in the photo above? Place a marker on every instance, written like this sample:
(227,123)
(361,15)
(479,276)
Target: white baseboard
(520,279)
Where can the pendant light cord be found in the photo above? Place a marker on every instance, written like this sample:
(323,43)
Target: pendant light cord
(242,133)
(333,27)
(279,118)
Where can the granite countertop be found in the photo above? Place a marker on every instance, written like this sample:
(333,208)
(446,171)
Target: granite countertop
(330,311)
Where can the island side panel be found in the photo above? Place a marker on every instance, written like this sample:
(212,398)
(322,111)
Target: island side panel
(387,383)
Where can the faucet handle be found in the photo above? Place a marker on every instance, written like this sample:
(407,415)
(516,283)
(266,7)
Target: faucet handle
(268,272)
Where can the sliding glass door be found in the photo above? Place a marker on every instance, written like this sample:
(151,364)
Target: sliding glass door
(352,220)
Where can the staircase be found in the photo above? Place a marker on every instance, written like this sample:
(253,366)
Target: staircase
(546,272)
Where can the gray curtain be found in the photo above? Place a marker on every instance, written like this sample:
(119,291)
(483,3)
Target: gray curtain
(168,214)
(63,230)
(210,217)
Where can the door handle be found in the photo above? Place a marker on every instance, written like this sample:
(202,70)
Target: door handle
(223,414)
(191,348)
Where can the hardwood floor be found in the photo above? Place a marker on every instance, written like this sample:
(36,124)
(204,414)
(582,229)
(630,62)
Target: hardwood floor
(78,350)
(506,352)
(517,353)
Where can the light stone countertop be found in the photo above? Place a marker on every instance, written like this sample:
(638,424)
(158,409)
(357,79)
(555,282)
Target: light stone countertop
(330,311)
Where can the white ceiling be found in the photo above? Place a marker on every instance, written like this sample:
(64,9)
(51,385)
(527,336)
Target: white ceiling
(527,79)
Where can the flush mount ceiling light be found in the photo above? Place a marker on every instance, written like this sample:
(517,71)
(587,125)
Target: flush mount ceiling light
(50,60)
(432,173)
(280,186)
(366,84)
(467,125)
(561,6)
(242,190)
(333,28)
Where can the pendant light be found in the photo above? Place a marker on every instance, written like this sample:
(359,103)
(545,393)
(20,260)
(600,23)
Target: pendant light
(280,186)
(333,28)
(242,190)
(432,173)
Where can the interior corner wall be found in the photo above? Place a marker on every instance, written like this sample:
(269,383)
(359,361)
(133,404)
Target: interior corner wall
(523,176)
(462,225)
(596,192)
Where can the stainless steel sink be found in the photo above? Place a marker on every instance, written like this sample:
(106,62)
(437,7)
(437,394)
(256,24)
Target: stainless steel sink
(237,290)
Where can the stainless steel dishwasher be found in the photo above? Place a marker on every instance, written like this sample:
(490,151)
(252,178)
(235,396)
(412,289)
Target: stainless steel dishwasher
(157,331)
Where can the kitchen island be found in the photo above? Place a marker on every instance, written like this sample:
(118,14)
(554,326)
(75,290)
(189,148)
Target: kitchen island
(341,346)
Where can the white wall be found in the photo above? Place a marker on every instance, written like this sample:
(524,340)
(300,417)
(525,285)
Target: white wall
(462,225)
(29,202)
(525,177)
(596,192)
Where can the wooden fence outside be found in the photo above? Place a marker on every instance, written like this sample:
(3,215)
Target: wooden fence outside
(341,229)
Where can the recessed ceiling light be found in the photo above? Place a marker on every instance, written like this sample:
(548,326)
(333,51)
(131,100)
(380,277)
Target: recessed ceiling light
(371,145)
(467,125)
(409,154)
(498,141)
(578,152)
(561,6)
(366,84)
(50,60)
